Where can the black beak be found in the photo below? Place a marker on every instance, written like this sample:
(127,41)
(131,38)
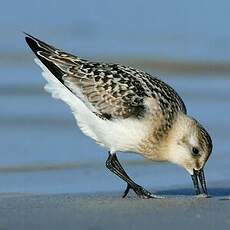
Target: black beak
(199,178)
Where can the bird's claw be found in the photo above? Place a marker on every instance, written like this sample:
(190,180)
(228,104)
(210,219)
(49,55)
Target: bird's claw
(126,191)
(141,192)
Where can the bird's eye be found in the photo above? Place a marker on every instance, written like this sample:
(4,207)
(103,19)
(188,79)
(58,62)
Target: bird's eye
(195,151)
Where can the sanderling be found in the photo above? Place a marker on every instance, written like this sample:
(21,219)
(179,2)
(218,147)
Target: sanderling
(128,110)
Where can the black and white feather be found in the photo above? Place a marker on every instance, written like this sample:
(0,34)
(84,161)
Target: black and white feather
(106,95)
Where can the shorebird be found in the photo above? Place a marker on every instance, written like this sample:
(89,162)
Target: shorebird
(125,109)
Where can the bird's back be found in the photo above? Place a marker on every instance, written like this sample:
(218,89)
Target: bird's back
(111,96)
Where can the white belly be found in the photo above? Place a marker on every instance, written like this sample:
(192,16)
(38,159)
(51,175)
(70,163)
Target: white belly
(116,135)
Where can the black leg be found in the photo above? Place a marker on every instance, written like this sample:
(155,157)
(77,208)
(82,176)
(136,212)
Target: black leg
(124,173)
(114,166)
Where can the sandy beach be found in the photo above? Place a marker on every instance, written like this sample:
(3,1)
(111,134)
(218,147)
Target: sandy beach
(110,211)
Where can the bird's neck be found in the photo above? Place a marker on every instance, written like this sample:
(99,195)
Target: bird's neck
(160,144)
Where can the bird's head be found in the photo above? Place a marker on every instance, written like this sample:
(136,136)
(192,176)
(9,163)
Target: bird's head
(190,147)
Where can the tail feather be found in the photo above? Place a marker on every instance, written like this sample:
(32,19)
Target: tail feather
(39,47)
(84,117)
(60,64)
(53,61)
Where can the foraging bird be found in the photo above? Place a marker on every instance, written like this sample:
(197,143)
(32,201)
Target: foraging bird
(125,109)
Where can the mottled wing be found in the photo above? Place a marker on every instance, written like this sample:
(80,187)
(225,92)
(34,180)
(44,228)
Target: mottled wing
(109,90)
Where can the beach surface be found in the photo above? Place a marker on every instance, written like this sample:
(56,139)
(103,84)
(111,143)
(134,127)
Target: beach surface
(179,210)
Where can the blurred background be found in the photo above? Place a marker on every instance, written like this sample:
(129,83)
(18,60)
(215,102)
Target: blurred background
(186,43)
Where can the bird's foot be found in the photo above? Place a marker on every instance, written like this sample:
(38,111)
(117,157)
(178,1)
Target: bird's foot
(126,191)
(141,192)
(202,195)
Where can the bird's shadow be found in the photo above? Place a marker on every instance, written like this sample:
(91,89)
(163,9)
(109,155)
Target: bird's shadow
(215,192)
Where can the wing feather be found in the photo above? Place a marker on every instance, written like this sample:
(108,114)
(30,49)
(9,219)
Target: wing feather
(110,90)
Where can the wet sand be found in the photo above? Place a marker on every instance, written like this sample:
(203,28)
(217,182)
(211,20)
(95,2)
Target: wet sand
(110,211)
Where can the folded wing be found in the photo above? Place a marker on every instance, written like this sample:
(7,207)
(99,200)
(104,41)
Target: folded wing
(111,91)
